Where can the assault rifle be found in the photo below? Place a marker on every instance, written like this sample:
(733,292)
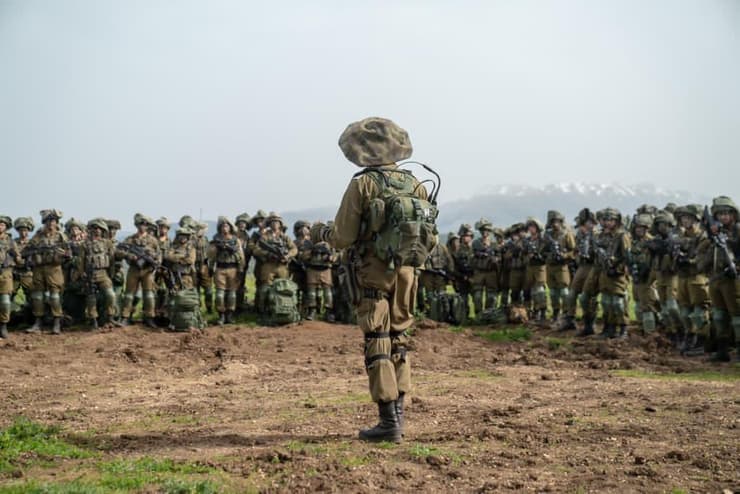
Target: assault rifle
(719,239)
(9,257)
(584,248)
(91,288)
(277,251)
(606,262)
(171,276)
(143,257)
(553,247)
(229,246)
(32,250)
(440,272)
(530,248)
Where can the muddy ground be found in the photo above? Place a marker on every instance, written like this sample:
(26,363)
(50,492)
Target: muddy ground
(278,410)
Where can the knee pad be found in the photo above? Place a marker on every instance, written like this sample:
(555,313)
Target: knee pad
(148,298)
(565,295)
(606,304)
(539,296)
(618,304)
(230,296)
(328,298)
(55,301)
(585,300)
(5,303)
(220,296)
(671,307)
(698,318)
(555,294)
(311,297)
(110,295)
(648,321)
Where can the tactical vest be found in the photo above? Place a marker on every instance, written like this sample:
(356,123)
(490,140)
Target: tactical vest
(6,257)
(227,255)
(320,256)
(584,246)
(485,257)
(438,259)
(688,242)
(182,251)
(98,254)
(49,250)
(464,260)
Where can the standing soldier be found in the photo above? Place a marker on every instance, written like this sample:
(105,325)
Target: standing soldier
(463,258)
(141,251)
(560,250)
(664,271)
(386,292)
(8,257)
(643,287)
(23,275)
(163,238)
(258,225)
(242,233)
(536,274)
(613,259)
(693,285)
(274,249)
(74,297)
(180,258)
(318,259)
(226,261)
(486,263)
(204,280)
(585,222)
(298,269)
(46,252)
(95,267)
(436,274)
(118,278)
(719,255)
(516,263)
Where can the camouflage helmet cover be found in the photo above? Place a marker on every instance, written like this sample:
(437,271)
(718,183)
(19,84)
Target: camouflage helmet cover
(723,203)
(452,236)
(184,231)
(221,221)
(585,215)
(553,215)
(611,214)
(643,219)
(71,223)
(670,207)
(162,221)
(140,219)
(7,220)
(465,229)
(113,224)
(375,141)
(273,216)
(244,217)
(187,220)
(47,214)
(24,222)
(663,216)
(98,223)
(298,225)
(534,221)
(647,209)
(483,225)
(517,227)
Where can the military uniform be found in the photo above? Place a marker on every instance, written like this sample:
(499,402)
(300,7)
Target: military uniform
(560,247)
(73,296)
(612,257)
(385,309)
(140,272)
(463,259)
(318,259)
(203,279)
(95,267)
(226,256)
(435,275)
(664,272)
(242,222)
(535,276)
(8,257)
(162,293)
(22,273)
(584,259)
(180,259)
(297,267)
(258,225)
(274,249)
(486,263)
(643,287)
(515,263)
(118,277)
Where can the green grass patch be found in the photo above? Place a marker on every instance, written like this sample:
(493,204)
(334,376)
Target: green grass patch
(479,374)
(557,343)
(306,447)
(457,329)
(168,486)
(24,443)
(519,333)
(422,452)
(355,461)
(733,374)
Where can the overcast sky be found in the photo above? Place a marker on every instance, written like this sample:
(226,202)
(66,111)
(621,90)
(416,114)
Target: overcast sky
(170,107)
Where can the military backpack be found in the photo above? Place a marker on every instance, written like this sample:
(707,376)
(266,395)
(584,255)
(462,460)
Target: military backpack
(185,310)
(282,303)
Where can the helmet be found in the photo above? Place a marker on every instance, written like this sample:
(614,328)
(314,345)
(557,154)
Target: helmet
(48,214)
(298,225)
(670,207)
(273,216)
(222,220)
(483,225)
(187,220)
(647,209)
(113,224)
(259,215)
(140,219)
(7,220)
(554,216)
(24,222)
(663,216)
(183,231)
(611,214)
(98,223)
(723,203)
(71,223)
(534,221)
(465,229)
(452,236)
(643,219)
(244,217)
(162,221)
(517,228)
(375,141)
(585,215)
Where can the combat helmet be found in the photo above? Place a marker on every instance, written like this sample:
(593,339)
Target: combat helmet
(113,224)
(553,215)
(244,217)
(534,221)
(647,209)
(670,207)
(611,214)
(140,219)
(663,216)
(71,223)
(7,220)
(184,231)
(693,210)
(298,225)
(98,223)
(483,225)
(49,214)
(723,203)
(465,229)
(585,215)
(24,222)
(375,141)
(224,220)
(259,215)
(273,216)
(162,221)
(517,228)
(642,219)
(452,236)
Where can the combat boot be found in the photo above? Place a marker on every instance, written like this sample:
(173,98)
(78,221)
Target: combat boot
(330,317)
(93,323)
(124,321)
(607,332)
(623,334)
(399,411)
(696,348)
(3,330)
(311,314)
(57,327)
(36,328)
(387,428)
(723,352)
(568,323)
(149,322)
(229,317)
(588,327)
(555,315)
(221,318)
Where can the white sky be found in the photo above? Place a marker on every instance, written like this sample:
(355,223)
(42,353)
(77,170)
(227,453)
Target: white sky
(169,107)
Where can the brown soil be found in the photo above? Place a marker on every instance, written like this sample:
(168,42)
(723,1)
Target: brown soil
(278,409)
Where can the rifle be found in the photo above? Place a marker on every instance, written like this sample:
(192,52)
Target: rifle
(229,246)
(554,248)
(277,251)
(719,239)
(143,257)
(172,278)
(606,261)
(91,288)
(32,250)
(440,272)
(9,257)
(530,248)
(584,248)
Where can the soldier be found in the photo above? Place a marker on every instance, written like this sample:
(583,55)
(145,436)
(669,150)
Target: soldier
(8,257)
(560,252)
(258,225)
(226,261)
(719,259)
(584,257)
(163,238)
(46,252)
(95,267)
(274,249)
(612,256)
(536,273)
(387,295)
(664,271)
(242,233)
(318,258)
(74,297)
(297,268)
(486,263)
(204,280)
(141,251)
(180,258)
(515,263)
(436,274)
(643,287)
(463,259)
(118,278)
(22,274)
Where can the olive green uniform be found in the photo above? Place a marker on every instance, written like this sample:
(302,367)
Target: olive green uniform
(693,285)
(8,256)
(318,259)
(272,266)
(515,261)
(140,276)
(180,259)
(434,277)
(557,260)
(463,259)
(49,250)
(96,266)
(643,287)
(485,280)
(226,255)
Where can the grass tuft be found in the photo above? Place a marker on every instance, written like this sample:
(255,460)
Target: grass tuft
(519,333)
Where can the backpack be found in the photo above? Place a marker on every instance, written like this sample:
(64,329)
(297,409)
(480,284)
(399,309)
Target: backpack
(282,303)
(185,310)
(403,226)
(447,307)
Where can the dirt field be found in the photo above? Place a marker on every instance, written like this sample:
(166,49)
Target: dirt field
(259,409)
